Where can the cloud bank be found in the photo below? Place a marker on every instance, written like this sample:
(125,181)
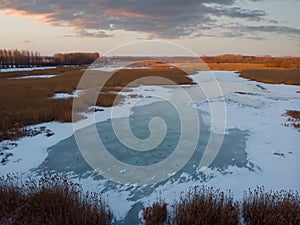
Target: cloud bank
(155,18)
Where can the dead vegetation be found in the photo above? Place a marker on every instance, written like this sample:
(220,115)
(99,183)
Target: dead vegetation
(54,199)
(29,101)
(237,66)
(50,200)
(200,205)
(206,205)
(279,76)
(261,207)
(26,102)
(293,119)
(156,214)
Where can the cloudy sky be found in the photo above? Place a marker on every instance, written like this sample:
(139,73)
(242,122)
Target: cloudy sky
(213,27)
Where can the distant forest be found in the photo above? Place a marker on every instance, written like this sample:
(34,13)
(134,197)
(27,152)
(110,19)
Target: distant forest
(24,58)
(268,61)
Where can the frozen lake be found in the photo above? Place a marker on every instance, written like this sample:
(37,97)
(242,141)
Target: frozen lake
(253,133)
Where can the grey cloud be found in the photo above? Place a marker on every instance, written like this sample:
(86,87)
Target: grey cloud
(157,18)
(274,29)
(260,32)
(85,33)
(237,12)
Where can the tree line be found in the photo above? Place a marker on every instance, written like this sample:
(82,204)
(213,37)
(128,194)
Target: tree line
(77,58)
(269,61)
(24,59)
(19,58)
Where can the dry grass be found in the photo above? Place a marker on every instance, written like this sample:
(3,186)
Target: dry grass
(237,66)
(56,200)
(295,114)
(156,214)
(294,119)
(51,200)
(28,101)
(226,66)
(123,77)
(260,207)
(207,205)
(201,205)
(281,76)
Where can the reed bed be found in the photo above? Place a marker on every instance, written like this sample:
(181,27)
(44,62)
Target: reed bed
(51,200)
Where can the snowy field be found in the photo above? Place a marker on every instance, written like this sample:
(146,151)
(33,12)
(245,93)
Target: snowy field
(254,132)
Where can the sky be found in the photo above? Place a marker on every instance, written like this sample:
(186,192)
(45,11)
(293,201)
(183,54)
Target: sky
(215,27)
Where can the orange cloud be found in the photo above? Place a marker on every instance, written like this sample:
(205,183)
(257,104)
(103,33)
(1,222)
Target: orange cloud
(22,13)
(124,13)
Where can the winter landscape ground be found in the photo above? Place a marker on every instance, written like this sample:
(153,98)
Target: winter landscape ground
(260,146)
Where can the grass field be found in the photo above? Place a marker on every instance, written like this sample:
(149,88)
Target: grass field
(238,66)
(29,101)
(291,76)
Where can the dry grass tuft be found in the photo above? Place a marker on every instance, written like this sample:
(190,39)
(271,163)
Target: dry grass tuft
(156,214)
(260,207)
(204,205)
(201,205)
(51,200)
(293,120)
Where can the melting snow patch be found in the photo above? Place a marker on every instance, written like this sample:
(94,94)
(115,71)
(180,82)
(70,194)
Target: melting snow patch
(74,94)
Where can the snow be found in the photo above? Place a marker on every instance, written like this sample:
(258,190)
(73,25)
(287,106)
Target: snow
(33,77)
(27,69)
(74,94)
(258,111)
